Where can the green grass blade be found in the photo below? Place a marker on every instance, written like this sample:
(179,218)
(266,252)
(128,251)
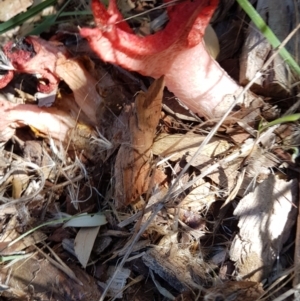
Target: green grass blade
(21,18)
(48,22)
(43,26)
(59,221)
(284,119)
(52,19)
(268,33)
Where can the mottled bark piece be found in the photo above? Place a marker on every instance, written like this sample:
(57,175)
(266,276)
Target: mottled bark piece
(176,265)
(281,17)
(37,279)
(10,8)
(266,217)
(132,168)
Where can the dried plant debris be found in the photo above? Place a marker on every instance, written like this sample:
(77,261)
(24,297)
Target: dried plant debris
(177,265)
(235,290)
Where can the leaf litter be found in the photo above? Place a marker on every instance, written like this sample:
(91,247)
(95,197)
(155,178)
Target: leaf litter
(208,225)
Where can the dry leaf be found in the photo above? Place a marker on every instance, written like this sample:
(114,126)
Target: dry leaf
(82,84)
(201,197)
(132,168)
(178,145)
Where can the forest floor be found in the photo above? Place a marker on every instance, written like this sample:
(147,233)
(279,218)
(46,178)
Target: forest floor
(78,221)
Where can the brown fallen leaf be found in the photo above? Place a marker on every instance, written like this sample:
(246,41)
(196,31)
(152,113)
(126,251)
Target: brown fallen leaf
(132,167)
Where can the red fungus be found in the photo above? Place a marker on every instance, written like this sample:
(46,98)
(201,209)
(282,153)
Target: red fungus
(35,56)
(177,52)
(51,63)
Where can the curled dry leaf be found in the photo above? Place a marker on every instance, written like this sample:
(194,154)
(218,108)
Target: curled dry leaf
(132,168)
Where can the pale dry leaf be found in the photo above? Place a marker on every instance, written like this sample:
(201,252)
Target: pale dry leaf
(83,85)
(178,145)
(84,243)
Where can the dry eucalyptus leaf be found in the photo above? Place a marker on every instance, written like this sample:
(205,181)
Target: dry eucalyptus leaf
(132,168)
(177,145)
(201,197)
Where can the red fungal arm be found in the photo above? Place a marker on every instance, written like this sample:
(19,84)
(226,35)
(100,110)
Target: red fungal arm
(35,56)
(177,52)
(188,21)
(50,61)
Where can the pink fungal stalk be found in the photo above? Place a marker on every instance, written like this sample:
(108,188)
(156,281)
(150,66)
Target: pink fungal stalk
(50,122)
(177,52)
